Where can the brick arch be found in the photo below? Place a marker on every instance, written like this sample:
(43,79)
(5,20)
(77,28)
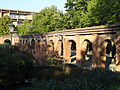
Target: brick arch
(33,42)
(26,41)
(107,52)
(23,41)
(72,48)
(86,46)
(50,45)
(38,42)
(60,47)
(86,52)
(7,41)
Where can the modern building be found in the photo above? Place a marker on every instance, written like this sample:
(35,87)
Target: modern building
(17,16)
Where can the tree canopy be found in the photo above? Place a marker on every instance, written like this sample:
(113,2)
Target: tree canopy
(48,19)
(79,13)
(84,13)
(4,25)
(25,28)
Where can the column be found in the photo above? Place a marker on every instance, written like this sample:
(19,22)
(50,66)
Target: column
(96,52)
(78,47)
(66,50)
(117,43)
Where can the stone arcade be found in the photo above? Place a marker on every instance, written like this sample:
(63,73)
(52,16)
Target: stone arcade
(97,46)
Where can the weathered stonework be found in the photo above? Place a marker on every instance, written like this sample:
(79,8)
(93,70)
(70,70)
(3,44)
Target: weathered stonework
(76,46)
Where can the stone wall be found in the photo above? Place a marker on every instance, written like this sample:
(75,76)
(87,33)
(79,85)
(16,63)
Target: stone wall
(86,47)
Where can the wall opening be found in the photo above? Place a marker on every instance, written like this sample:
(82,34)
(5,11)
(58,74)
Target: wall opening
(51,46)
(32,47)
(7,41)
(73,50)
(33,42)
(26,41)
(108,53)
(60,48)
(86,53)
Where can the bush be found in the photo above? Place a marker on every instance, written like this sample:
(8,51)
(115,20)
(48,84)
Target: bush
(66,84)
(77,79)
(14,69)
(52,61)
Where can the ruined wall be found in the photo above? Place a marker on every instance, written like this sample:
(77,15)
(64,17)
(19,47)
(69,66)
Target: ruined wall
(90,45)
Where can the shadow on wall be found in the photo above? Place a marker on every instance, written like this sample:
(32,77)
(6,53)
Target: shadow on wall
(95,53)
(39,49)
(86,52)
(102,52)
(117,43)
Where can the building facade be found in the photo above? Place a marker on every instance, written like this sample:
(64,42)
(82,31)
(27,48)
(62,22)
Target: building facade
(17,16)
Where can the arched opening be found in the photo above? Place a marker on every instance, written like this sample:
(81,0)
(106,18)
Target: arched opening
(108,51)
(73,50)
(23,42)
(26,41)
(60,48)
(38,42)
(51,45)
(7,41)
(86,53)
(33,42)
(20,42)
(32,48)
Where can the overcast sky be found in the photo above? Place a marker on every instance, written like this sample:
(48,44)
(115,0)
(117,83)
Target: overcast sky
(32,5)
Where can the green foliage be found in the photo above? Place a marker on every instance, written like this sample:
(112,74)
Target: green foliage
(101,12)
(96,79)
(14,69)
(53,61)
(75,8)
(5,49)
(84,13)
(4,25)
(25,28)
(48,19)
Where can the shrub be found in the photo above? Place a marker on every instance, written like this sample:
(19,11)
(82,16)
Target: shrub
(95,79)
(14,69)
(53,61)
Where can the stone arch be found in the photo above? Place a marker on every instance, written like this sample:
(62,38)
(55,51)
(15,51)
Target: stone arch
(20,41)
(51,45)
(7,41)
(108,51)
(72,44)
(38,42)
(26,41)
(60,47)
(86,53)
(32,47)
(33,42)
(23,42)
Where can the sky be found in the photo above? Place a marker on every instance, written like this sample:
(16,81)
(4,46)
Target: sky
(32,5)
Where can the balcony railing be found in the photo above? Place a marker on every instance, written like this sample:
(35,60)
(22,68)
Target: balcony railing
(19,17)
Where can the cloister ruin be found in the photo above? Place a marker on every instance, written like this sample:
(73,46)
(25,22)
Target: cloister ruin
(97,46)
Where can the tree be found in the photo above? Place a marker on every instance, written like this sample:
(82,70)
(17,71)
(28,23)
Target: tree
(93,12)
(4,25)
(75,8)
(102,12)
(48,19)
(25,28)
